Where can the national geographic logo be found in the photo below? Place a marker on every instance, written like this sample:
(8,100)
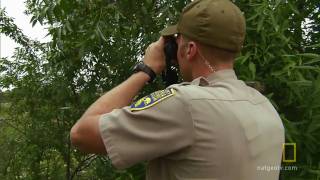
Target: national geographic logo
(289,155)
(289,152)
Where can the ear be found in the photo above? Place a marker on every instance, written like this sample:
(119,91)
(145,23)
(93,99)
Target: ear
(191,50)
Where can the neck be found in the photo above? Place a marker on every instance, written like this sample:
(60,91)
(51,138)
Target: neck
(205,71)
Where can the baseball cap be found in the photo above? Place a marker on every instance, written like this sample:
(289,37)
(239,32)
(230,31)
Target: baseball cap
(218,23)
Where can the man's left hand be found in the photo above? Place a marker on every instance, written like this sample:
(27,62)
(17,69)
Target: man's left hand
(155,57)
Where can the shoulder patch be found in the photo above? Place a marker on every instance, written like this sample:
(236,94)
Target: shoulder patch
(152,99)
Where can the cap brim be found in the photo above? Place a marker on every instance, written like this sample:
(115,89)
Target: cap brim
(169,31)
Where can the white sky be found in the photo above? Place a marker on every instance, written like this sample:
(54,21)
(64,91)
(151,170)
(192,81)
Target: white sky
(15,9)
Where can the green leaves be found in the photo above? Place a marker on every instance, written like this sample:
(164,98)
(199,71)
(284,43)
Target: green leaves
(100,33)
(252,68)
(96,42)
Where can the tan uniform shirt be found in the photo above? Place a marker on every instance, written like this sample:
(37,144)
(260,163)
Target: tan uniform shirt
(213,128)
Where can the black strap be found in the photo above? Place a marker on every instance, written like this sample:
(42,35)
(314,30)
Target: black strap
(143,67)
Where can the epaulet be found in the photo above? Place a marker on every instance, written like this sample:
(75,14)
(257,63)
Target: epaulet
(185,84)
(181,84)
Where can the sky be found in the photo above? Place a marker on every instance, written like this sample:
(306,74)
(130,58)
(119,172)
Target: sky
(15,9)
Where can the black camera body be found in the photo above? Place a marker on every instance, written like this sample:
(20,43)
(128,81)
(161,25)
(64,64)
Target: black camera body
(170,74)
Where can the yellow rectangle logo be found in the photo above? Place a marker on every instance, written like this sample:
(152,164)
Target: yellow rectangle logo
(286,148)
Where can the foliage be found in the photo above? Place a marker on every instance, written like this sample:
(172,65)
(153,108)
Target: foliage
(94,45)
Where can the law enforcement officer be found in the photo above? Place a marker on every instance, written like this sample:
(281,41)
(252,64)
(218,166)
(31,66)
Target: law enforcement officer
(212,126)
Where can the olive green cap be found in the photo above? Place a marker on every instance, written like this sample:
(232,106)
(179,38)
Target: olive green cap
(218,23)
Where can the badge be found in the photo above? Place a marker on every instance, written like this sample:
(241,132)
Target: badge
(152,99)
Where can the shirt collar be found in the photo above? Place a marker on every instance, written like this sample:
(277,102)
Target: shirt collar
(215,77)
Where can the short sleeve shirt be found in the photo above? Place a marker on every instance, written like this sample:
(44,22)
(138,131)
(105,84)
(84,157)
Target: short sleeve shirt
(213,128)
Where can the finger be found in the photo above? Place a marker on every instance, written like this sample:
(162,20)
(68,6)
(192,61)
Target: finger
(149,47)
(161,41)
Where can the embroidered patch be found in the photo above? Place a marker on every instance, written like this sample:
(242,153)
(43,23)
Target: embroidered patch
(152,99)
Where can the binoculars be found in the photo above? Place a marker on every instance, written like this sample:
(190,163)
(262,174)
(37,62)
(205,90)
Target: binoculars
(170,74)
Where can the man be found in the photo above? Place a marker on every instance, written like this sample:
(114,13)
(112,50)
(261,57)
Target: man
(212,126)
